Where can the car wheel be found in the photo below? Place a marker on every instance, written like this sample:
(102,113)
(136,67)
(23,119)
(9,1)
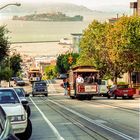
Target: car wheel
(130,97)
(28,111)
(28,132)
(114,96)
(46,95)
(123,97)
(108,97)
(89,98)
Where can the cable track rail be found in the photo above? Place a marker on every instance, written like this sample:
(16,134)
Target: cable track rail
(89,131)
(115,134)
(109,104)
(115,106)
(90,123)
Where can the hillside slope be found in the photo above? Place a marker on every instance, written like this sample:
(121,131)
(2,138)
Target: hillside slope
(68,9)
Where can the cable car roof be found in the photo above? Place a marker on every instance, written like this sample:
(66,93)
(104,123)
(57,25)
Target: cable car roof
(84,69)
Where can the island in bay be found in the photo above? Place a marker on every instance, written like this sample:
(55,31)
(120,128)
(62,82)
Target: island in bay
(55,16)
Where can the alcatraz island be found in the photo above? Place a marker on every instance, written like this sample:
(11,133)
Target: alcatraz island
(57,16)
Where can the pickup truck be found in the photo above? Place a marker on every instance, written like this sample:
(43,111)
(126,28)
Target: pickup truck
(122,91)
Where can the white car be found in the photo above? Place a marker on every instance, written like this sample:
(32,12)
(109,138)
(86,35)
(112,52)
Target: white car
(22,95)
(103,88)
(14,109)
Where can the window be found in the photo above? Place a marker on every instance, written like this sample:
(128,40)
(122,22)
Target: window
(8,96)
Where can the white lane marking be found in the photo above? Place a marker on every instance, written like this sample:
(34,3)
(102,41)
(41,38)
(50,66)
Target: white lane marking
(59,137)
(96,122)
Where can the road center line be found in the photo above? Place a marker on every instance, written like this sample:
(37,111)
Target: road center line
(59,137)
(95,122)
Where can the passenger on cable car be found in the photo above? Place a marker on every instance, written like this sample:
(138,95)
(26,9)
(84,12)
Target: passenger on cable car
(79,79)
(90,79)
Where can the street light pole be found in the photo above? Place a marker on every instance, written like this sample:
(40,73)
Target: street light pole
(16,4)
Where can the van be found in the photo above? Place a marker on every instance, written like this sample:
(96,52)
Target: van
(103,88)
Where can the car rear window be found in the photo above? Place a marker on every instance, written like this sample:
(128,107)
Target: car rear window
(122,86)
(19,92)
(8,97)
(40,84)
(103,83)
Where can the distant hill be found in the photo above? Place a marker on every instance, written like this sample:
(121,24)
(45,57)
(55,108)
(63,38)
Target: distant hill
(68,9)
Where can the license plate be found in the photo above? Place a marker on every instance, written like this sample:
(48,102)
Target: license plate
(125,90)
(125,94)
(90,88)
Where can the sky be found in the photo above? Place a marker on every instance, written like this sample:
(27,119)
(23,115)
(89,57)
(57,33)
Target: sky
(92,4)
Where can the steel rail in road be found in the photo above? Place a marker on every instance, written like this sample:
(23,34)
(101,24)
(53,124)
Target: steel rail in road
(88,123)
(109,104)
(114,131)
(67,115)
(112,105)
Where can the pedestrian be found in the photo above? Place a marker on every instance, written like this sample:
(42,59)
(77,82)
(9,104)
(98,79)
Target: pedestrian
(112,88)
(65,86)
(79,79)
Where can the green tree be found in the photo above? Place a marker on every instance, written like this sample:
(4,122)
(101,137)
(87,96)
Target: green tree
(4,43)
(112,48)
(131,57)
(123,41)
(50,72)
(93,47)
(63,63)
(15,63)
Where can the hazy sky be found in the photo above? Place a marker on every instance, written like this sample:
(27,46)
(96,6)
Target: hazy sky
(94,4)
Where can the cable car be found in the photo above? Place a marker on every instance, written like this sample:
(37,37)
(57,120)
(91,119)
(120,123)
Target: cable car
(85,90)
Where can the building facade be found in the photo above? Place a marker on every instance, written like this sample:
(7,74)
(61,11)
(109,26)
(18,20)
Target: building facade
(136,7)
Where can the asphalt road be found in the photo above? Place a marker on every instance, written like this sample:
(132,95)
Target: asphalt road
(57,117)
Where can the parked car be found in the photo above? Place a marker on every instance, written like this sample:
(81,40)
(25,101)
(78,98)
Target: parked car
(62,76)
(14,78)
(20,82)
(40,88)
(121,91)
(103,88)
(14,109)
(6,131)
(22,95)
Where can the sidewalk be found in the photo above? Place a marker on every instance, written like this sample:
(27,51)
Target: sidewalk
(137,95)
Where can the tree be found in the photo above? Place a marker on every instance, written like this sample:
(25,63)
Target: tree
(5,73)
(65,61)
(112,48)
(123,41)
(93,47)
(50,72)
(15,63)
(4,43)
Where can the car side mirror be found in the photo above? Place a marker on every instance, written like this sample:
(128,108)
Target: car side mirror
(24,102)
